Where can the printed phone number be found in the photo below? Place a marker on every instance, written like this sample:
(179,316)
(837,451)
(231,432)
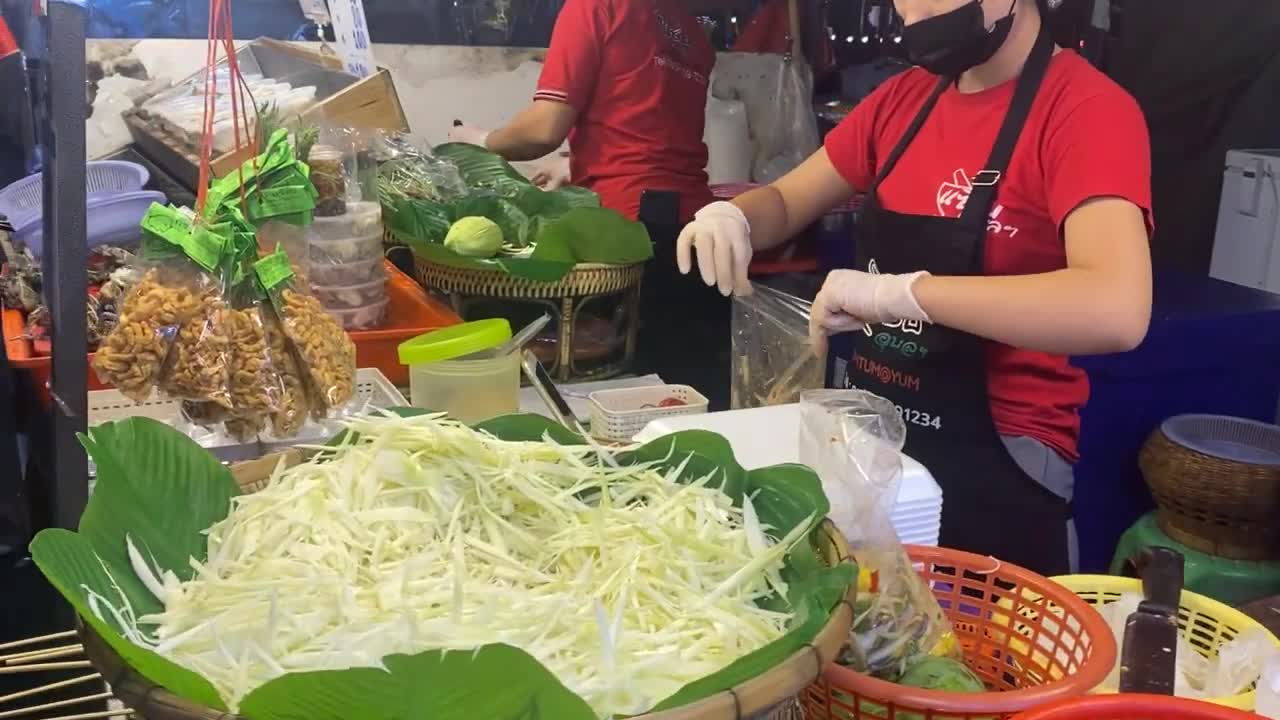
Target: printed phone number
(919,419)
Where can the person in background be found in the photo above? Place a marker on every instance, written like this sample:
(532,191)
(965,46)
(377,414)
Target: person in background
(625,82)
(1006,228)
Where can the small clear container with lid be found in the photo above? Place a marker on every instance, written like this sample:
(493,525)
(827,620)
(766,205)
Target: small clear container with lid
(329,176)
(458,370)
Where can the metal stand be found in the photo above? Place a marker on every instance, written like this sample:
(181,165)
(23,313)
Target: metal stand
(65,253)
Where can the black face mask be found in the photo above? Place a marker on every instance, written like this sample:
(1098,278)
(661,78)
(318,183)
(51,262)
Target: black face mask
(956,41)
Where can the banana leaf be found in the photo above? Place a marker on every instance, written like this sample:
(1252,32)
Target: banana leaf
(159,488)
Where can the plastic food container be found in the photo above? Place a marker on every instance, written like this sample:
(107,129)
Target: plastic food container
(361,318)
(362,219)
(354,273)
(455,370)
(350,297)
(345,250)
(617,415)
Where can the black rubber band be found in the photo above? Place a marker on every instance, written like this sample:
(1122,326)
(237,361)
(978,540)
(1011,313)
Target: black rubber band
(737,705)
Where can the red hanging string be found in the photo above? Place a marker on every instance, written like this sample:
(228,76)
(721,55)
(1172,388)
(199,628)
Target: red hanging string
(221,33)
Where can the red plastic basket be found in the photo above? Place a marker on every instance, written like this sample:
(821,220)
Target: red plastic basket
(1031,641)
(1134,707)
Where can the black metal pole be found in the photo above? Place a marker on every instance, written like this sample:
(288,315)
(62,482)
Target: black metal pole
(65,252)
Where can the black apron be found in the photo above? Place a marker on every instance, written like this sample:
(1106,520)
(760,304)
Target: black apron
(937,376)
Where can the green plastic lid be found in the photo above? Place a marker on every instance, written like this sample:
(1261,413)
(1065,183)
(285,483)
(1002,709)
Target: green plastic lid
(455,341)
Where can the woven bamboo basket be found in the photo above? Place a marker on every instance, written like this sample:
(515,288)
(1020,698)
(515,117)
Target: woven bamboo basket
(1214,505)
(616,287)
(771,696)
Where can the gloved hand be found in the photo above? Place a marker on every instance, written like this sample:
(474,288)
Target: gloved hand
(721,236)
(552,171)
(469,134)
(851,299)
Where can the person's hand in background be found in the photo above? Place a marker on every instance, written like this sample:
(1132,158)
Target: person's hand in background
(721,237)
(851,299)
(552,172)
(469,134)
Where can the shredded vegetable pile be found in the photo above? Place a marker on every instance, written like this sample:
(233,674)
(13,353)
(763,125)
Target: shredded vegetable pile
(424,534)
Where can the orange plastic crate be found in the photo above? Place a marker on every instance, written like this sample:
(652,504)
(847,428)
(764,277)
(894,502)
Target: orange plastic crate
(410,313)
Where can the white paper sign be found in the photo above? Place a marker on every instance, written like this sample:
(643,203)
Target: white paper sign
(352,34)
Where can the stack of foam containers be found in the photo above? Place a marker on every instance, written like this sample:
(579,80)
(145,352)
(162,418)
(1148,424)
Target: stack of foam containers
(346,268)
(771,435)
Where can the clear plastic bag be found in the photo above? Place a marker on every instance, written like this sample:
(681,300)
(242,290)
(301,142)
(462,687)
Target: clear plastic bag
(793,132)
(853,440)
(161,322)
(773,357)
(198,368)
(325,353)
(408,170)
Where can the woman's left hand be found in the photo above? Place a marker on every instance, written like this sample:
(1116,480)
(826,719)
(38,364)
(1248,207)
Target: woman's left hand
(851,299)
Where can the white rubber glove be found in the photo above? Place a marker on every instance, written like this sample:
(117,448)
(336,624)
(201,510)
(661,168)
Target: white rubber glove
(721,236)
(850,300)
(469,134)
(552,171)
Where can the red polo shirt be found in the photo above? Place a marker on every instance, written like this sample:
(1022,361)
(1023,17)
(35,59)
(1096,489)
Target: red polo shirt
(637,73)
(1085,138)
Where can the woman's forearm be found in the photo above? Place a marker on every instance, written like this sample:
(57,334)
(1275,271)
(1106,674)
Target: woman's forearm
(537,131)
(779,211)
(766,214)
(1074,311)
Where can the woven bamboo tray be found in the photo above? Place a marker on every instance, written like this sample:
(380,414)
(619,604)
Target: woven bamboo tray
(615,286)
(771,696)
(1220,507)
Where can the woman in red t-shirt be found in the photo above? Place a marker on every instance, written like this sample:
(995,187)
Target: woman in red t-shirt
(1006,227)
(625,82)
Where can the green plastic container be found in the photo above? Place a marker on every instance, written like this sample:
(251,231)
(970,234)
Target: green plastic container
(455,370)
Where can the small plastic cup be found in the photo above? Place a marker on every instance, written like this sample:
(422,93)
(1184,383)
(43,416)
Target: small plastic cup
(455,370)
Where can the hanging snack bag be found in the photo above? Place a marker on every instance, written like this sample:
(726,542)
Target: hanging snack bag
(172,308)
(325,351)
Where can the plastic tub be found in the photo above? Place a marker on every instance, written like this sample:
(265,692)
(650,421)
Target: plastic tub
(454,371)
(342,274)
(346,250)
(350,297)
(361,318)
(361,220)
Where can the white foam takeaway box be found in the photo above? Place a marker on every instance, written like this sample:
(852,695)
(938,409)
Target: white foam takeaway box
(766,436)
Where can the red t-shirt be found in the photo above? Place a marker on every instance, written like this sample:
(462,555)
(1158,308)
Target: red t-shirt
(637,72)
(1085,138)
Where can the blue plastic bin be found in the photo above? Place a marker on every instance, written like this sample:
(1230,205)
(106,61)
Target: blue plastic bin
(1213,347)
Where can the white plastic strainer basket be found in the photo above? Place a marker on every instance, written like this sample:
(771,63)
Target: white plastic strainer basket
(26,196)
(617,415)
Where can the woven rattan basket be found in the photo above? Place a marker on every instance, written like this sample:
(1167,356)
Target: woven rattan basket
(771,696)
(1221,506)
(616,287)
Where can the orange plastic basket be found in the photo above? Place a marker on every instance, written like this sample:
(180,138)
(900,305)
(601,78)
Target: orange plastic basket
(1134,707)
(1031,641)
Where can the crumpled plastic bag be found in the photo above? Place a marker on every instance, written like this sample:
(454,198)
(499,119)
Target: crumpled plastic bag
(793,135)
(1233,670)
(853,440)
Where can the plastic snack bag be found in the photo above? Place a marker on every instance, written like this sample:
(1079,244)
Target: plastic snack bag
(853,440)
(325,352)
(168,332)
(773,358)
